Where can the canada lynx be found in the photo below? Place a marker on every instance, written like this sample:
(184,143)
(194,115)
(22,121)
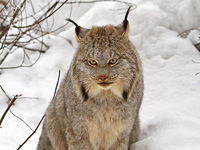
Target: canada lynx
(97,105)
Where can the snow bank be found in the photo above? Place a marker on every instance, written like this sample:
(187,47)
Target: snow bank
(170,113)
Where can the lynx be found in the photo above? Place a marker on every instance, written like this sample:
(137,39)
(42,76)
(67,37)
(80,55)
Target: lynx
(97,104)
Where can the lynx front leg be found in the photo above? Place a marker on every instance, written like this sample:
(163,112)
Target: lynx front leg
(44,143)
(53,137)
(52,140)
(135,132)
(122,143)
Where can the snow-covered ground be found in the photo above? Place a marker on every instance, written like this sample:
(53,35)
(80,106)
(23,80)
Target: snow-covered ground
(170,112)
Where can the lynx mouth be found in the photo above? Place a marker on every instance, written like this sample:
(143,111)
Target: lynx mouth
(105,85)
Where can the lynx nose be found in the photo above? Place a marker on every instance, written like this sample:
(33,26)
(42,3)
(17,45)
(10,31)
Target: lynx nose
(102,77)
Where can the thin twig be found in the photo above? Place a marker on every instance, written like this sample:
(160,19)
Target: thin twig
(13,18)
(39,21)
(43,115)
(34,50)
(5,93)
(197,73)
(12,112)
(21,65)
(21,120)
(29,98)
(29,33)
(95,1)
(186,31)
(6,111)
(20,146)
(195,62)
(57,84)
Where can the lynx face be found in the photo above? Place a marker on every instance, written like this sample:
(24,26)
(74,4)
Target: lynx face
(106,64)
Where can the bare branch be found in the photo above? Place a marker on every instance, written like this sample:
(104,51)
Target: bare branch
(21,65)
(32,133)
(13,18)
(40,20)
(25,35)
(187,31)
(5,93)
(42,117)
(12,112)
(6,111)
(95,1)
(195,62)
(30,49)
(57,84)
(21,120)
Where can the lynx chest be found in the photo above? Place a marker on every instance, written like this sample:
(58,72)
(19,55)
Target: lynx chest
(105,127)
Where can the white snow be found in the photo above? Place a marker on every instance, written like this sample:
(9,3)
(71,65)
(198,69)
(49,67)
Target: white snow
(170,112)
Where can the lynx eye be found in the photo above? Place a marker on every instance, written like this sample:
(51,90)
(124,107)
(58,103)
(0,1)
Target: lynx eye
(92,62)
(112,61)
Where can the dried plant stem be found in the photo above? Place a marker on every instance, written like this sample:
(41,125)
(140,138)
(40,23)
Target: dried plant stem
(57,84)
(6,111)
(21,120)
(32,133)
(197,73)
(25,35)
(5,30)
(95,1)
(187,31)
(42,116)
(21,65)
(5,93)
(39,21)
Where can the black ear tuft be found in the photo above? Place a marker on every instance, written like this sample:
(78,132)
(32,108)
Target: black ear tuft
(123,28)
(84,93)
(80,32)
(125,22)
(77,26)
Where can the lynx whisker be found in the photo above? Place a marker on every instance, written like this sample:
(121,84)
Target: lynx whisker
(93,77)
(114,76)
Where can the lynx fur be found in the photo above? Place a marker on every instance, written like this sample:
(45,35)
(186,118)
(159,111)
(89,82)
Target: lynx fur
(97,105)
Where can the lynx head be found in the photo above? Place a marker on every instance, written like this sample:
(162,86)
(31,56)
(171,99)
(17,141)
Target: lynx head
(105,63)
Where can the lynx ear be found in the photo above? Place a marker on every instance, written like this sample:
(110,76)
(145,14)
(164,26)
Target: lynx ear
(79,31)
(123,28)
